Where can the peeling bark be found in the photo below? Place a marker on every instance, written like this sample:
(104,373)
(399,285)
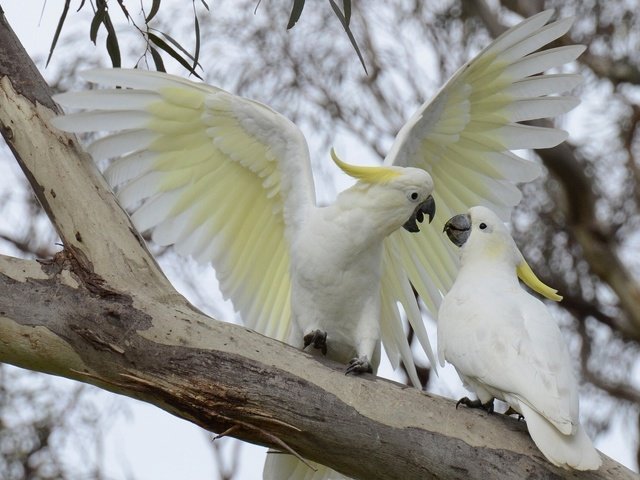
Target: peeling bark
(222,376)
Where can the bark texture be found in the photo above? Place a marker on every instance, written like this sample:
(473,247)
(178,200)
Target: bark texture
(227,378)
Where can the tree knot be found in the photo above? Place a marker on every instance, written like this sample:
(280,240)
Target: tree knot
(76,261)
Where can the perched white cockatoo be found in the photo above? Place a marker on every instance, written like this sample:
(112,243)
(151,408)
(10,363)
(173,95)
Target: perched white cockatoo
(504,342)
(227,180)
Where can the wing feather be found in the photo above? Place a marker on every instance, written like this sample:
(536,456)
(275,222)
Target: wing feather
(536,40)
(464,136)
(519,32)
(102,120)
(532,108)
(220,177)
(546,84)
(395,288)
(106,99)
(541,61)
(519,335)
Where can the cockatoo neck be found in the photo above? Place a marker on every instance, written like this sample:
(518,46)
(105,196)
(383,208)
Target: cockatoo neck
(497,257)
(368,219)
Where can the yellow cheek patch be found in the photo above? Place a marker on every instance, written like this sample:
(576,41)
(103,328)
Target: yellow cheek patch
(529,278)
(366,174)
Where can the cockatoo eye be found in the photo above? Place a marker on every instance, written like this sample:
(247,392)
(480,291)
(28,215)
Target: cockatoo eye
(413,196)
(483,226)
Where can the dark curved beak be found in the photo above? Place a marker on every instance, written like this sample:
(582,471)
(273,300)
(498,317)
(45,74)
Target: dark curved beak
(427,207)
(458,229)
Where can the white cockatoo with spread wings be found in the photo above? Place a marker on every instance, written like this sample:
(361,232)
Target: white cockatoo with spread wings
(228,181)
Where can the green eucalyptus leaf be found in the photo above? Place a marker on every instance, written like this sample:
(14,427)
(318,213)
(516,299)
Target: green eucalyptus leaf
(296,11)
(345,25)
(56,35)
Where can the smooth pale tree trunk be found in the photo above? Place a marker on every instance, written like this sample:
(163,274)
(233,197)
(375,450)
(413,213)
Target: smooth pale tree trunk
(102,312)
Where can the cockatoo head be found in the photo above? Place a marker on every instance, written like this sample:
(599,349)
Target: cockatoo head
(400,196)
(481,234)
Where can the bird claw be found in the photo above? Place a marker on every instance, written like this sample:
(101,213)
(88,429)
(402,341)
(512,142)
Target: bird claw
(318,339)
(359,365)
(488,407)
(511,411)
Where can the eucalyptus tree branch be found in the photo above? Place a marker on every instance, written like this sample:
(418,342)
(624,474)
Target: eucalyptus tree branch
(226,378)
(615,389)
(598,246)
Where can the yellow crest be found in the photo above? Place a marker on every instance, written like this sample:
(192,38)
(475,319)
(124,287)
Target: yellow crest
(366,174)
(529,278)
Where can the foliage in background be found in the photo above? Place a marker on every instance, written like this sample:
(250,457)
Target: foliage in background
(157,41)
(48,428)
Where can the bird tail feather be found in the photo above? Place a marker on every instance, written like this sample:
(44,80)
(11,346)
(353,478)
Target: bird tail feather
(567,451)
(282,466)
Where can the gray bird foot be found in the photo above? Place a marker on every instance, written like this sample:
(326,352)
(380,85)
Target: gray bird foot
(488,407)
(359,365)
(511,411)
(318,339)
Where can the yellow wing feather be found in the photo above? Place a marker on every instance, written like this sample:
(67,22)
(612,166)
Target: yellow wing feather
(220,177)
(463,138)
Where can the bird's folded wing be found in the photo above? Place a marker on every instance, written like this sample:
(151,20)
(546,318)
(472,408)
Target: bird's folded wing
(220,177)
(464,137)
(527,360)
(507,341)
(544,357)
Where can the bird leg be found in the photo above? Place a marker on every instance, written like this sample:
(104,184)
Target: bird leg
(359,365)
(511,411)
(488,407)
(318,339)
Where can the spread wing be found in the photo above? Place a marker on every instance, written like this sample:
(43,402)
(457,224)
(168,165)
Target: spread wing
(463,137)
(222,178)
